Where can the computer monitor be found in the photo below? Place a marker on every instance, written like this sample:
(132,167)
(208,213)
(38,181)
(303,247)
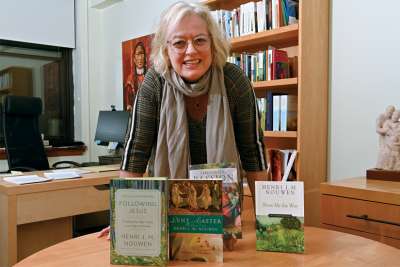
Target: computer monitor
(111,127)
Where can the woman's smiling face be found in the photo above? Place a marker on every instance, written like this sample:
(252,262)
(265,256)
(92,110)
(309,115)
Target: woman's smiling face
(189,47)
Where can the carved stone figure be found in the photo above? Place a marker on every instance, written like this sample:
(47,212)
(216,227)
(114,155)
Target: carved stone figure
(388,128)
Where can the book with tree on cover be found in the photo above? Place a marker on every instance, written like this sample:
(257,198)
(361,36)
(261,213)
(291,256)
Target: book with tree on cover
(280,216)
(231,191)
(195,220)
(139,228)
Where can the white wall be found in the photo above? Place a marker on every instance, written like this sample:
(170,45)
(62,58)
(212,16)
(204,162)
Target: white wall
(107,28)
(364,77)
(49,22)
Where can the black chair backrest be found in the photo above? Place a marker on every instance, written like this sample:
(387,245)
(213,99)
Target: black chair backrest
(23,141)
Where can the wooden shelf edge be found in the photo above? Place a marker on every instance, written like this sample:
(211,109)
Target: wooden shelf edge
(224,4)
(55,151)
(281,134)
(276,84)
(282,37)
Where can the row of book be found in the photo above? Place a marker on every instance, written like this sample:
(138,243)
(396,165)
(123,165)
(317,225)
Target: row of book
(200,212)
(278,112)
(258,16)
(271,64)
(282,164)
(156,219)
(5,80)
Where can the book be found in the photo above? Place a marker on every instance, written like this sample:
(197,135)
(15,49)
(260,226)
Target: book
(279,216)
(280,64)
(139,229)
(282,164)
(291,119)
(195,220)
(283,109)
(276,114)
(231,191)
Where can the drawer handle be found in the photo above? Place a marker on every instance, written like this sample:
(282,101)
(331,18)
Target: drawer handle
(366,218)
(102,187)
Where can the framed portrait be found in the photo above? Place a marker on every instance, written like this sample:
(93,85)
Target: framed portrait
(135,63)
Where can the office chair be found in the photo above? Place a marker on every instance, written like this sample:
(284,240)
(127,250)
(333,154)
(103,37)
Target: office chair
(22,138)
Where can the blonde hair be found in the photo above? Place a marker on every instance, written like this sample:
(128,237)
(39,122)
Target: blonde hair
(175,13)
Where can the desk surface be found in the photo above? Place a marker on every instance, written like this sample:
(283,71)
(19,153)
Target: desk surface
(35,216)
(365,189)
(323,248)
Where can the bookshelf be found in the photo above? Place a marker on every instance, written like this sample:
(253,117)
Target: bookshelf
(16,81)
(310,39)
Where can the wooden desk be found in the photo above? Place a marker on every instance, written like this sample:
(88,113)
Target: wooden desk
(323,248)
(365,207)
(36,216)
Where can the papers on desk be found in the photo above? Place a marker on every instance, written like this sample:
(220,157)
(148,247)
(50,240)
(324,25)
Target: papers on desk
(26,179)
(48,176)
(61,175)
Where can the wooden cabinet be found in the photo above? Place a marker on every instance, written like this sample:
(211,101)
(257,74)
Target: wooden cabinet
(16,81)
(368,208)
(310,41)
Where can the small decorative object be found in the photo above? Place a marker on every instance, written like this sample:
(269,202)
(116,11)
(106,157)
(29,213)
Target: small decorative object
(388,163)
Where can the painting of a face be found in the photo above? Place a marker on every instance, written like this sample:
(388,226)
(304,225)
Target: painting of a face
(139,57)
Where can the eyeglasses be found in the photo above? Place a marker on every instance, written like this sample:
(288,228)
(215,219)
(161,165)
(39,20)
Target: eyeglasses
(200,43)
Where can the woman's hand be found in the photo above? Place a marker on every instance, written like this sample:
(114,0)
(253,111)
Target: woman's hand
(105,231)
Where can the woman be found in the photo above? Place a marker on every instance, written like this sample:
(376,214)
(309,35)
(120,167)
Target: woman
(193,107)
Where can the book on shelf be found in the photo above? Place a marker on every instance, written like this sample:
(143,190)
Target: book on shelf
(291,118)
(281,112)
(195,220)
(293,66)
(262,111)
(231,201)
(281,163)
(279,216)
(276,113)
(139,228)
(280,64)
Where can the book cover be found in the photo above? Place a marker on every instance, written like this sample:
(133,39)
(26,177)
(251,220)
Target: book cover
(280,216)
(280,63)
(231,202)
(283,109)
(195,220)
(139,229)
(291,113)
(276,113)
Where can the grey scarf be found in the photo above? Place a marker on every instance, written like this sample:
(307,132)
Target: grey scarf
(172,157)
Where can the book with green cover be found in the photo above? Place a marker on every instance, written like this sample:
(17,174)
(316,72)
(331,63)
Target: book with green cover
(195,220)
(139,226)
(231,204)
(280,216)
